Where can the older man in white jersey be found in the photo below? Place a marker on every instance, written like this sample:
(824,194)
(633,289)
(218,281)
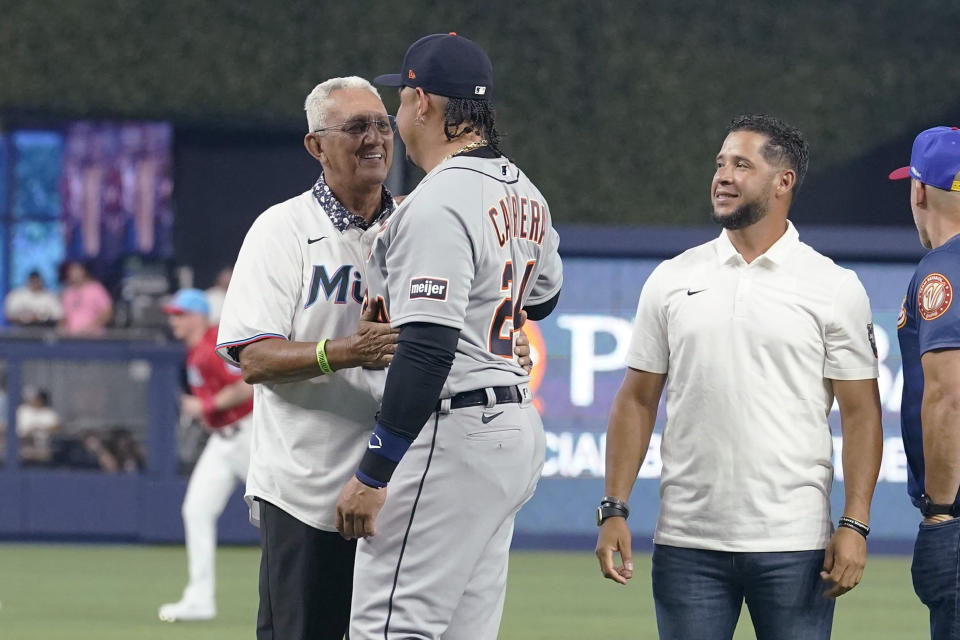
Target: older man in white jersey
(296,291)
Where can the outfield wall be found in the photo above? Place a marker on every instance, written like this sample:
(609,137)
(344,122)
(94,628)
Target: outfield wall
(585,341)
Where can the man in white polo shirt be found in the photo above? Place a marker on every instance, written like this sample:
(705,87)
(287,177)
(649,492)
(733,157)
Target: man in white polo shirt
(753,334)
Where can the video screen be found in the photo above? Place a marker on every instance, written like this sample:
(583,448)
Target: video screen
(93,191)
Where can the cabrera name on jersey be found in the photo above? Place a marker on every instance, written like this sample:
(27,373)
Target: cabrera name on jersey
(467,249)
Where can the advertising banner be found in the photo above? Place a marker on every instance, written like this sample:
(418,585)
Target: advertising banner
(579,352)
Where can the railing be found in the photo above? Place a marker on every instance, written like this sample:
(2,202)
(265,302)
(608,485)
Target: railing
(91,392)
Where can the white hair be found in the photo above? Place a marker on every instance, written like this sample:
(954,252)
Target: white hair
(318,102)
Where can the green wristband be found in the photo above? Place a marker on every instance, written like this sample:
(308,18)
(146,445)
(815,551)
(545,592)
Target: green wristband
(322,357)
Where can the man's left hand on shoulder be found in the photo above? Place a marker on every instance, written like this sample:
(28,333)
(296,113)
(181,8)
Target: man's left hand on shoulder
(357,509)
(843,561)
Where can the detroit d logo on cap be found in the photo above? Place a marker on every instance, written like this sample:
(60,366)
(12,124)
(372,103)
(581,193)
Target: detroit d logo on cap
(428,287)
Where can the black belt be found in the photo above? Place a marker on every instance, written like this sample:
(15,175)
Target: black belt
(478,397)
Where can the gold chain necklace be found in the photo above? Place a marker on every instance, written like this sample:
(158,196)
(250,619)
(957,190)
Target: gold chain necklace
(476,144)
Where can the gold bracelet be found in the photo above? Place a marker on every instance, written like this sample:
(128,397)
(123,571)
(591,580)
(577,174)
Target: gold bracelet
(322,357)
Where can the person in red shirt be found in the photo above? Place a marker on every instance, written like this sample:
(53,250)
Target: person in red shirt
(224,402)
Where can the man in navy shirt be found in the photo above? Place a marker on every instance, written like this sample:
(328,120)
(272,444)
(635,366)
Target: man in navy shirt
(929,332)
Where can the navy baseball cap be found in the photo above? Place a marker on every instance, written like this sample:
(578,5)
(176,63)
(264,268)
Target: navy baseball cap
(188,301)
(444,64)
(935,159)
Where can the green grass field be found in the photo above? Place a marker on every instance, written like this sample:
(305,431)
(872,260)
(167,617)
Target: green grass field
(52,592)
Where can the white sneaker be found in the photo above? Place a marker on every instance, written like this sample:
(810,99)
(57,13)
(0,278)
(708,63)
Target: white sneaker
(187,611)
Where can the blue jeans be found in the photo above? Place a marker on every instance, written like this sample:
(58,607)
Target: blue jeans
(698,594)
(936,564)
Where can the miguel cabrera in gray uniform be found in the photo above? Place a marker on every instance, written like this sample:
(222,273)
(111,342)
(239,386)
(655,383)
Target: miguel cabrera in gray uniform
(457,437)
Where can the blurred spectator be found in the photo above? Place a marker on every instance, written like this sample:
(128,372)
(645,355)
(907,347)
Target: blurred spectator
(87,307)
(87,450)
(33,304)
(217,292)
(128,453)
(36,424)
(116,451)
(92,453)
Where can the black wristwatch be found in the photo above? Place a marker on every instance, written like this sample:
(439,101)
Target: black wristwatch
(611,507)
(930,508)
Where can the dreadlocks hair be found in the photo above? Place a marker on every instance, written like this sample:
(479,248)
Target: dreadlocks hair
(464,115)
(784,146)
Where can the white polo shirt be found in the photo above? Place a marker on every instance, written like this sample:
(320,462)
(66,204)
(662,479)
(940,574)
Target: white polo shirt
(298,277)
(749,351)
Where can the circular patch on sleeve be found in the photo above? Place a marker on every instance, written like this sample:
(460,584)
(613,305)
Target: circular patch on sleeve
(902,316)
(934,296)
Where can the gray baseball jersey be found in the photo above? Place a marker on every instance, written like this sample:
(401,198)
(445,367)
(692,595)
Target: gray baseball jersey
(467,249)
(471,245)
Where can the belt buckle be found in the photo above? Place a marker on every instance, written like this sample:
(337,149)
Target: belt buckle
(443,407)
(512,395)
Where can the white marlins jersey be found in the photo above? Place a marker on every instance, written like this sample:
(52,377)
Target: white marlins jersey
(468,248)
(299,278)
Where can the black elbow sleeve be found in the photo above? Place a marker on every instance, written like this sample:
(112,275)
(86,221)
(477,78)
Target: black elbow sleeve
(542,310)
(424,356)
(422,362)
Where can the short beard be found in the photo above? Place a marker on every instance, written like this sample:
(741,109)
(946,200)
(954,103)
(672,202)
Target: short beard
(742,217)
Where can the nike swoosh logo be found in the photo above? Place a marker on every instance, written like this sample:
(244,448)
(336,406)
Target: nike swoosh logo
(312,240)
(485,419)
(691,292)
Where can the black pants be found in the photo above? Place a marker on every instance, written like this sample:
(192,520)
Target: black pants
(306,579)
